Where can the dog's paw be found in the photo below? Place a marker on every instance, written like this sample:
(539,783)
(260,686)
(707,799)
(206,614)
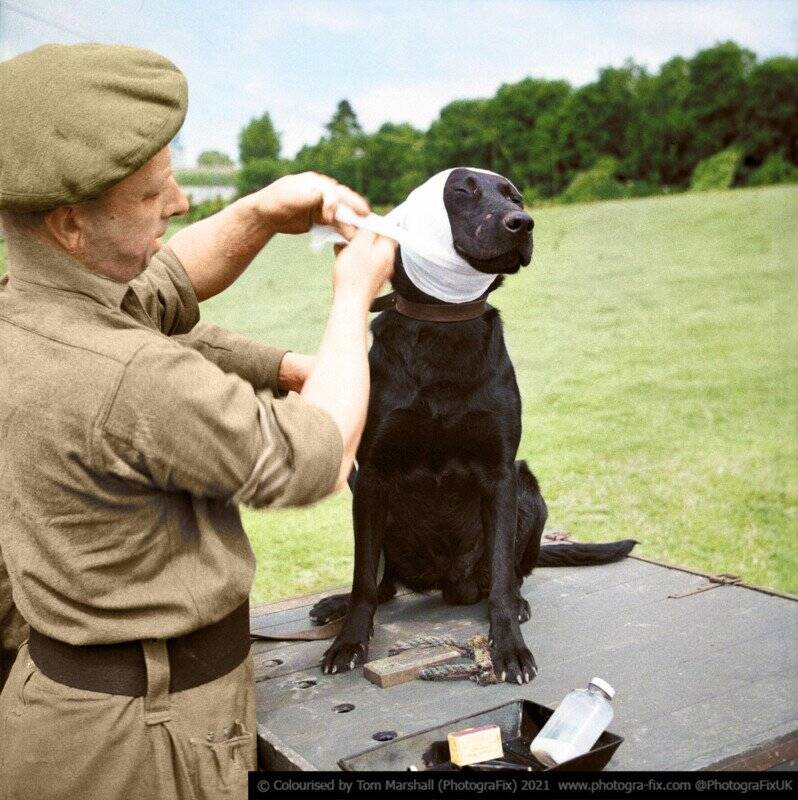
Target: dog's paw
(329,609)
(512,661)
(524,611)
(343,656)
(515,665)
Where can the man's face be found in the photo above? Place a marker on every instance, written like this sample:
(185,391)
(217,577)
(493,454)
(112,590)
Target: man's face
(123,226)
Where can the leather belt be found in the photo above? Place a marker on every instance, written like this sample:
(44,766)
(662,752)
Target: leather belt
(194,658)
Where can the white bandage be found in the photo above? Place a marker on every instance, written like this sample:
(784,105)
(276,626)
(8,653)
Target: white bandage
(421,227)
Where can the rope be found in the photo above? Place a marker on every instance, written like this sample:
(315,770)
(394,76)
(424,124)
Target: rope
(429,641)
(476,648)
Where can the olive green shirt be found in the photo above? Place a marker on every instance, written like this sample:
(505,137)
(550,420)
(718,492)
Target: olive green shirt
(129,434)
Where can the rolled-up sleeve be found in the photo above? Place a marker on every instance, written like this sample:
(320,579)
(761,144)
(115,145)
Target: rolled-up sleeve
(178,422)
(257,363)
(166,294)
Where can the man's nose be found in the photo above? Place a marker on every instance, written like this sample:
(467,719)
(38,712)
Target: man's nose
(180,204)
(518,222)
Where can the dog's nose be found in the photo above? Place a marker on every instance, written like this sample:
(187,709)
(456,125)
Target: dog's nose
(518,221)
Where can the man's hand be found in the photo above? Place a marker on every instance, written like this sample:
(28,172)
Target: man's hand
(363,266)
(293,203)
(295,368)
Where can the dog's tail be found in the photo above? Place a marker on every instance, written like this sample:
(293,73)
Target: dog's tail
(584,555)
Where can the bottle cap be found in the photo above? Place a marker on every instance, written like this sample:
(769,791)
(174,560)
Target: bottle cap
(604,686)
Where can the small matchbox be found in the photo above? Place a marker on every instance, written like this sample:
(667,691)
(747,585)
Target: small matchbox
(472,745)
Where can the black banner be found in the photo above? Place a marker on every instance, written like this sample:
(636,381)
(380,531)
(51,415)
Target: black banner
(510,783)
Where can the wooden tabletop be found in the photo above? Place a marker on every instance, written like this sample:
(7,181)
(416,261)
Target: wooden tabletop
(703,680)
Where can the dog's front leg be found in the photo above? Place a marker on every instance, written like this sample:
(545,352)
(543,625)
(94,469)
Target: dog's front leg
(512,660)
(368,516)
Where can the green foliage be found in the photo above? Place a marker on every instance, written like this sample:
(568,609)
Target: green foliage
(393,163)
(770,113)
(532,196)
(205,177)
(774,169)
(339,156)
(718,89)
(204,209)
(464,135)
(344,122)
(599,120)
(663,132)
(214,158)
(258,140)
(527,116)
(259,172)
(675,317)
(545,135)
(716,172)
(596,183)
(341,153)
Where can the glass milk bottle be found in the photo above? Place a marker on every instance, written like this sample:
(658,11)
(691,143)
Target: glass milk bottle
(576,724)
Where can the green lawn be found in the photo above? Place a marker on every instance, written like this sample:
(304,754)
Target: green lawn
(656,346)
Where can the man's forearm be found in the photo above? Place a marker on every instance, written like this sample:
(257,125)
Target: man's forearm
(216,250)
(339,383)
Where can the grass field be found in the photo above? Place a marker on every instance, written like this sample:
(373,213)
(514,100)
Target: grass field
(656,346)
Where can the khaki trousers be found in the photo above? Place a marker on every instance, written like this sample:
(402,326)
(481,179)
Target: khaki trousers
(71,744)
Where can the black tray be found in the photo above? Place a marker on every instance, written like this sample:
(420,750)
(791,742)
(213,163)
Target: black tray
(519,720)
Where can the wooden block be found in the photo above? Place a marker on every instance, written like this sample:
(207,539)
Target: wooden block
(472,745)
(405,667)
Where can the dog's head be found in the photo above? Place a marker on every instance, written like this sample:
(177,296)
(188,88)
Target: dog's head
(490,228)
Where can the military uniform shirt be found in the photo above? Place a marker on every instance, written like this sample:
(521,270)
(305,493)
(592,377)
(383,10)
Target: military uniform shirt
(128,435)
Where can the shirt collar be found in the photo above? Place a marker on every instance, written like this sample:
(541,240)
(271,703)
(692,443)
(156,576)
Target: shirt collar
(33,260)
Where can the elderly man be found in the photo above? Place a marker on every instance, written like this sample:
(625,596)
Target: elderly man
(130,433)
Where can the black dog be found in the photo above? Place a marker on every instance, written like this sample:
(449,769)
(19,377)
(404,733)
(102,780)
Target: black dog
(438,490)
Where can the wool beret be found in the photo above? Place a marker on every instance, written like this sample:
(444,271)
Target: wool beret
(76,119)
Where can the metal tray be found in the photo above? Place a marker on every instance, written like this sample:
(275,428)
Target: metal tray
(519,720)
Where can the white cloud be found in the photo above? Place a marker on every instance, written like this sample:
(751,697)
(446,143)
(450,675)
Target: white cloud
(675,26)
(334,17)
(270,21)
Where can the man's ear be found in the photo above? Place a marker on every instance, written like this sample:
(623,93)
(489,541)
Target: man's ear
(65,226)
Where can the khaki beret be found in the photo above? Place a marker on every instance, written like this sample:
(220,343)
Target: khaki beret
(76,119)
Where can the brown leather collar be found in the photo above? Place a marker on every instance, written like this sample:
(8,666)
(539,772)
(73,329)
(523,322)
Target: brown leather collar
(448,312)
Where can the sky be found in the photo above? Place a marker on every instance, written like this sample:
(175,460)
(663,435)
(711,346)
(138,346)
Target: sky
(394,61)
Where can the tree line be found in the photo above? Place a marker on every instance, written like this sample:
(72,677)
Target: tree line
(630,132)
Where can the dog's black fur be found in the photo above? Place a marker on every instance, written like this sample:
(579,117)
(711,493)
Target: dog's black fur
(438,491)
